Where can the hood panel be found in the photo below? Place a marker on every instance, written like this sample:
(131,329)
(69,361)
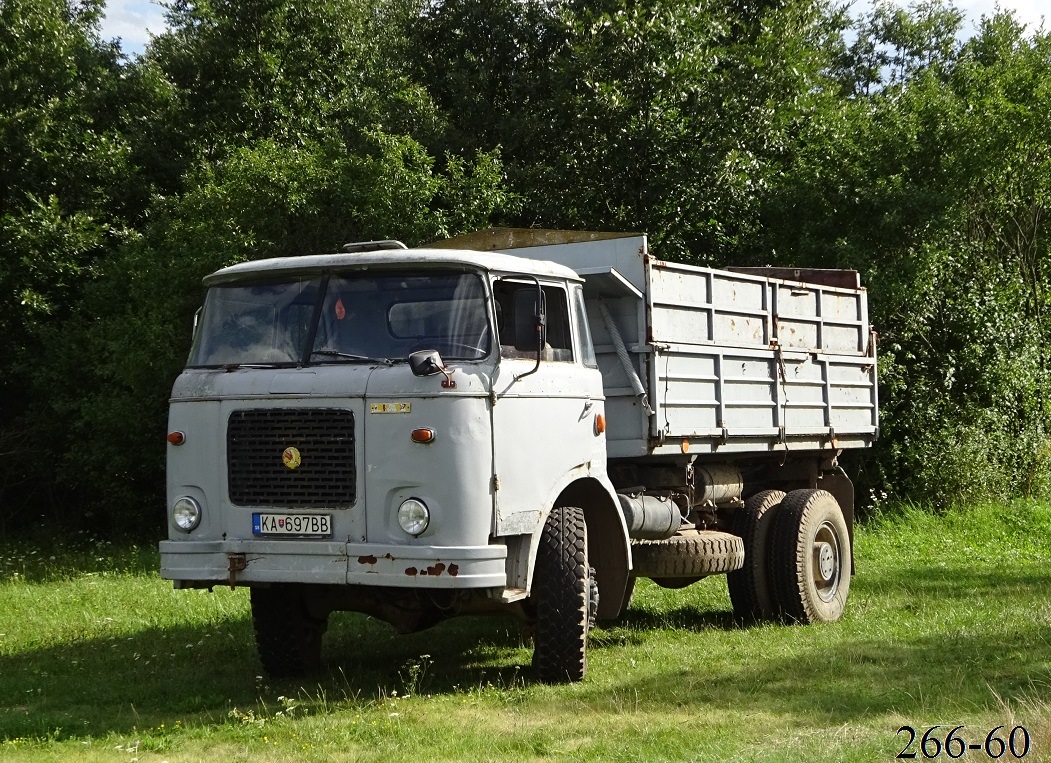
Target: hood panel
(329,381)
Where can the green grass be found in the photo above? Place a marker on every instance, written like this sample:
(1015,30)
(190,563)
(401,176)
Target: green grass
(949,623)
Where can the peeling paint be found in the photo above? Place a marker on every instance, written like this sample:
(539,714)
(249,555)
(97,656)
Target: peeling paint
(366,559)
(412,572)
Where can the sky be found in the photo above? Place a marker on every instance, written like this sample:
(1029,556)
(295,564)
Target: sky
(133,20)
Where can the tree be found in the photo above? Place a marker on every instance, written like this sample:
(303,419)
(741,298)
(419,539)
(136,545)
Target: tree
(933,184)
(303,170)
(63,165)
(660,116)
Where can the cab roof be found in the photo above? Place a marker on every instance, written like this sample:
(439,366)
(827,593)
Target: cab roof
(494,262)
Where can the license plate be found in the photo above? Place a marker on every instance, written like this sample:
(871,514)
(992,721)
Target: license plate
(303,525)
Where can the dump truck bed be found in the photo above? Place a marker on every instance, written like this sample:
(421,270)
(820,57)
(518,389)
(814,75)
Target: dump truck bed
(724,362)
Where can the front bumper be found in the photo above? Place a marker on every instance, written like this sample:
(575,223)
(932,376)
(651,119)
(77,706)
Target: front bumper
(244,562)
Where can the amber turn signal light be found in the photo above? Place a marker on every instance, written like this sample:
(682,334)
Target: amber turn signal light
(600,423)
(424,435)
(176,438)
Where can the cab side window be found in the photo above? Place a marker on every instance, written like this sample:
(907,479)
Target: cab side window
(587,348)
(516,311)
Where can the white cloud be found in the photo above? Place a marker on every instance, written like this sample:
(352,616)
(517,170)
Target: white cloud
(132,21)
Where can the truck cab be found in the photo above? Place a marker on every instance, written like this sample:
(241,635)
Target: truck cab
(389,432)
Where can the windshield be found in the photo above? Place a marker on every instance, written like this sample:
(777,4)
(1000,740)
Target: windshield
(343,319)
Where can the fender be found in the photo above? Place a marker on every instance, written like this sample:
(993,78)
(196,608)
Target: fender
(609,547)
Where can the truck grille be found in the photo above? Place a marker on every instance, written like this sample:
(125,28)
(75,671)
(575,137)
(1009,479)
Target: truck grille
(324,438)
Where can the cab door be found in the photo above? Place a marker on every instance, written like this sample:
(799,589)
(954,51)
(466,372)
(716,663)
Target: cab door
(544,427)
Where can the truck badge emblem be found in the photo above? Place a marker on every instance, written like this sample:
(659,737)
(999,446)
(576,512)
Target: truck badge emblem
(291,458)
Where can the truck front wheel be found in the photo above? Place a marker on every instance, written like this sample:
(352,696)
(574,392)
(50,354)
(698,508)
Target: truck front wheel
(810,558)
(565,595)
(287,634)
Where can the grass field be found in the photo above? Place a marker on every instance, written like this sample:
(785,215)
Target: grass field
(949,623)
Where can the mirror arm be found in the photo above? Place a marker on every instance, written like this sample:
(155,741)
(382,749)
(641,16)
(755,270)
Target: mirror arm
(541,321)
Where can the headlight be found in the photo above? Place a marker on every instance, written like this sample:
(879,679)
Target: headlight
(186,513)
(413,516)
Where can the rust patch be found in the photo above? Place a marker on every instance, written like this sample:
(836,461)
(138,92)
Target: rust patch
(454,569)
(436,570)
(412,572)
(366,559)
(237,563)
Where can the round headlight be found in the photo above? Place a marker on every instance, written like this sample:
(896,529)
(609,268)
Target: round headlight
(186,513)
(413,516)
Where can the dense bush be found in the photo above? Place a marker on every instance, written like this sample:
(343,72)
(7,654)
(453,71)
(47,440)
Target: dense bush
(777,132)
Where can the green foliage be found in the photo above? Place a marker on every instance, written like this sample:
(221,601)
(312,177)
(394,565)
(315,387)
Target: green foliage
(58,160)
(276,132)
(658,117)
(742,133)
(932,181)
(894,44)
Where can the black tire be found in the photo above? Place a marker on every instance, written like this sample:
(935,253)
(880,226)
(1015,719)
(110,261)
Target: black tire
(810,558)
(750,586)
(287,635)
(690,555)
(564,594)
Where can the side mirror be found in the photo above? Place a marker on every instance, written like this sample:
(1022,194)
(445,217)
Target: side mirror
(426,363)
(429,363)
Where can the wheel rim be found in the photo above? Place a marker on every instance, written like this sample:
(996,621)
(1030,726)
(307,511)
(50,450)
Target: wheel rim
(593,598)
(827,562)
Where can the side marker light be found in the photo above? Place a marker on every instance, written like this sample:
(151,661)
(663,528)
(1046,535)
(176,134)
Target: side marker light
(423,435)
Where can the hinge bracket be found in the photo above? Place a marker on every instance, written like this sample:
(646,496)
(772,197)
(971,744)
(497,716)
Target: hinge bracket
(237,564)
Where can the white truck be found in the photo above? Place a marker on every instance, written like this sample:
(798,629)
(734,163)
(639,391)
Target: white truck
(421,433)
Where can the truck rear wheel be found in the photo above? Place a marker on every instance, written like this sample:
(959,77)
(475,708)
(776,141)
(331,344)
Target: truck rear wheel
(565,595)
(287,635)
(750,586)
(694,554)
(810,558)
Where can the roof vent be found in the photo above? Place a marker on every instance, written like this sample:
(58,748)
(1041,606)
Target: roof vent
(373,246)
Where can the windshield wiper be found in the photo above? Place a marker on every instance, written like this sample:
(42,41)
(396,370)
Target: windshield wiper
(235,366)
(351,356)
